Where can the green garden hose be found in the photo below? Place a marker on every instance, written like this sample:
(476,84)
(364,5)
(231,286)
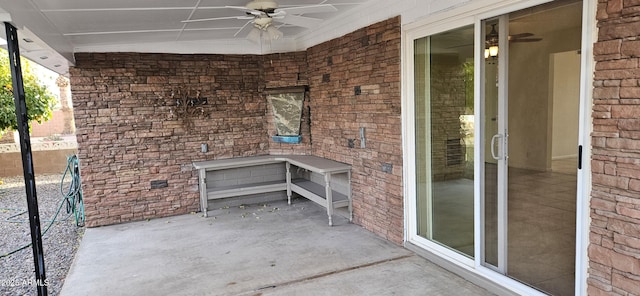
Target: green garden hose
(72,198)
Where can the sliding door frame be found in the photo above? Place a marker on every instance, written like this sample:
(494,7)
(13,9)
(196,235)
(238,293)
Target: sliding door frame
(474,13)
(411,225)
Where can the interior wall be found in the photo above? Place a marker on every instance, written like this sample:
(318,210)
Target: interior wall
(530,101)
(565,89)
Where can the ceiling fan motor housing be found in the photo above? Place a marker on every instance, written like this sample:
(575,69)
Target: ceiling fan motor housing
(263,22)
(267,6)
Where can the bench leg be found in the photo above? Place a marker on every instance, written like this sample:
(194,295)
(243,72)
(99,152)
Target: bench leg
(288,165)
(327,186)
(204,200)
(349,196)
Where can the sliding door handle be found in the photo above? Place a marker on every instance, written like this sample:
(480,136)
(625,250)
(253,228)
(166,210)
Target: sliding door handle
(493,146)
(579,157)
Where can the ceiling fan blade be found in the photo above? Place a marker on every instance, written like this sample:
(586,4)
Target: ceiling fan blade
(218,18)
(526,40)
(307,9)
(244,28)
(521,35)
(247,10)
(300,21)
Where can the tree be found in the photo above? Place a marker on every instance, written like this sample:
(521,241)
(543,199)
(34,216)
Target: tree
(40,101)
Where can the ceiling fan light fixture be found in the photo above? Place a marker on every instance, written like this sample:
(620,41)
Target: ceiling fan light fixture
(254,35)
(492,40)
(273,33)
(493,51)
(492,37)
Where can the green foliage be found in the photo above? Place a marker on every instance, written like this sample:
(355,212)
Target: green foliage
(39,100)
(467,67)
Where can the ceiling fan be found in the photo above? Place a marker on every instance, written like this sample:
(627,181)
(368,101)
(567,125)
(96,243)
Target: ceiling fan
(491,40)
(523,37)
(260,15)
(492,37)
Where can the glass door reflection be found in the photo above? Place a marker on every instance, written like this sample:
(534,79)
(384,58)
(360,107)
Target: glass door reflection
(444,105)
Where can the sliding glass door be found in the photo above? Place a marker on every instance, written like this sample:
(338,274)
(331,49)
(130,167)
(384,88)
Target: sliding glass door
(532,81)
(445,138)
(502,157)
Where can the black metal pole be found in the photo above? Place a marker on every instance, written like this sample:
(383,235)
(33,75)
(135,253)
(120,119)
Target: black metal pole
(27,158)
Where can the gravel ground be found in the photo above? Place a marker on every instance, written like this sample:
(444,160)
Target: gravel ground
(60,242)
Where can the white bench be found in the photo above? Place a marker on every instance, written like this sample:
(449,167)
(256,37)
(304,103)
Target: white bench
(323,193)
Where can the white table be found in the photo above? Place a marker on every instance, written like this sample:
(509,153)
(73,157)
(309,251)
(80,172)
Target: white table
(323,194)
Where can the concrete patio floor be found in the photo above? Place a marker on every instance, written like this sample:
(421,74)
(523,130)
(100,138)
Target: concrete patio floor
(264,249)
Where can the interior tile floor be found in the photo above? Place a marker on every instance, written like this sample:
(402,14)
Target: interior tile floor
(542,228)
(541,224)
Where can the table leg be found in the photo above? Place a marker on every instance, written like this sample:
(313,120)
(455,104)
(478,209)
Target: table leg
(204,201)
(349,196)
(327,184)
(288,165)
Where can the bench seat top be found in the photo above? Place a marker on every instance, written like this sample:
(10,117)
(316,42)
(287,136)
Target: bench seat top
(312,163)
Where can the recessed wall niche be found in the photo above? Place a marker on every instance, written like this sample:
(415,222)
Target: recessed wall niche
(286,106)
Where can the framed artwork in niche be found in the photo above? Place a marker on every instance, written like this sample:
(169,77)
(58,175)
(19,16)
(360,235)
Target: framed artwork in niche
(286,106)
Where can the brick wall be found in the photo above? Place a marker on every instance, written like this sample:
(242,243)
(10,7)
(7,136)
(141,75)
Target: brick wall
(129,135)
(614,267)
(286,70)
(368,58)
(53,126)
(448,102)
(7,137)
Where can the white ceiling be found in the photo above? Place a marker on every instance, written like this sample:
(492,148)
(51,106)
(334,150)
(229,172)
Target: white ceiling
(60,28)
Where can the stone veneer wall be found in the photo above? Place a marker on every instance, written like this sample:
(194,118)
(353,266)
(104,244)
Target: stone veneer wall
(368,59)
(447,103)
(287,70)
(127,136)
(614,250)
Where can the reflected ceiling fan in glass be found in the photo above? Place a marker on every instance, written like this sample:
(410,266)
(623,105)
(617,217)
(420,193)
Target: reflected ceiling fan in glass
(492,40)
